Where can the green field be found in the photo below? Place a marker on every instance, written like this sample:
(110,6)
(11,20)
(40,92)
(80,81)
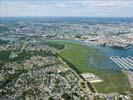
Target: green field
(3,42)
(79,56)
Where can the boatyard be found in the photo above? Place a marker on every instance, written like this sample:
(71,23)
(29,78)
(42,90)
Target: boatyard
(125,63)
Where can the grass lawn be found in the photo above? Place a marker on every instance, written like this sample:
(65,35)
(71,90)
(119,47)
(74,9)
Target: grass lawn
(79,56)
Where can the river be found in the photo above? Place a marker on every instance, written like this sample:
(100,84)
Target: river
(105,52)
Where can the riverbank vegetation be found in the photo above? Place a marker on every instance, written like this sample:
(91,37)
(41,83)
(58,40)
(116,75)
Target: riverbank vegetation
(79,56)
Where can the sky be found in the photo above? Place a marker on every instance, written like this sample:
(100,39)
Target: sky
(92,8)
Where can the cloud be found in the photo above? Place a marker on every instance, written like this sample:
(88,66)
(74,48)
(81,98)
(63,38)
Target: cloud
(100,3)
(66,7)
(68,3)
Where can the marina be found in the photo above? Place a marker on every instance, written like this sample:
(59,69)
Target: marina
(123,62)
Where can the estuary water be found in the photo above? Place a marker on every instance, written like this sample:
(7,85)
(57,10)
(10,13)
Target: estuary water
(110,51)
(105,52)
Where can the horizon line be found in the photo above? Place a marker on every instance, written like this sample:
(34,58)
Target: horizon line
(76,16)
